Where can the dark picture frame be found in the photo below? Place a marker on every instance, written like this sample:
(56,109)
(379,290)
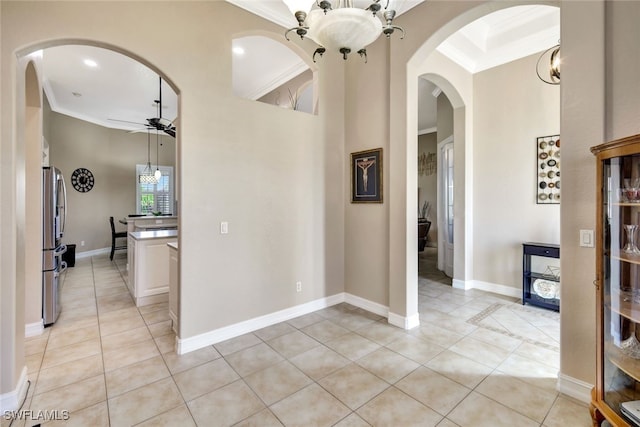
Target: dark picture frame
(366,176)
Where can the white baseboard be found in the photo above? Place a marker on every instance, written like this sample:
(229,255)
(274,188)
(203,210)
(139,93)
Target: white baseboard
(403,321)
(365,304)
(227,332)
(575,388)
(94,252)
(11,401)
(153,299)
(497,289)
(462,284)
(34,329)
(488,287)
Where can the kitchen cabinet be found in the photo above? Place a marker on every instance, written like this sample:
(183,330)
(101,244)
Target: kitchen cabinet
(174,286)
(617,284)
(148,258)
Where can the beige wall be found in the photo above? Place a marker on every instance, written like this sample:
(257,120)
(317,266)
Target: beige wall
(111,155)
(511,108)
(582,125)
(622,62)
(367,224)
(33,199)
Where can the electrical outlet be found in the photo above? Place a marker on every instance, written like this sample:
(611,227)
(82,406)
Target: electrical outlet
(298,286)
(82,243)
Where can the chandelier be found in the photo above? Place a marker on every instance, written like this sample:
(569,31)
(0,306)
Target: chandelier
(552,59)
(345,28)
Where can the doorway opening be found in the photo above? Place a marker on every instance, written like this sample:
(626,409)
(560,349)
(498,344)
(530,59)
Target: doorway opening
(70,128)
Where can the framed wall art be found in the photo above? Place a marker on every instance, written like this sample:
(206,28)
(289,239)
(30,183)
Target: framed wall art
(366,176)
(548,170)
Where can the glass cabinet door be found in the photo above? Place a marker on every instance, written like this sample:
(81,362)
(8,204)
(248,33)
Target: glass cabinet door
(621,283)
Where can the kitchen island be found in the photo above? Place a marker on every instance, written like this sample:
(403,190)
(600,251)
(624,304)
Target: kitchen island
(148,264)
(150,222)
(174,285)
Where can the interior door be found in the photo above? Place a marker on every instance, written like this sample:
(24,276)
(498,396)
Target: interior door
(445,206)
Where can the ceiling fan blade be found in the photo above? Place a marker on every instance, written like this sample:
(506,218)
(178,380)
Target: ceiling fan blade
(159,123)
(127,121)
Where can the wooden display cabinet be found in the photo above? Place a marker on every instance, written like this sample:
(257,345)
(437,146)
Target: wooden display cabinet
(617,281)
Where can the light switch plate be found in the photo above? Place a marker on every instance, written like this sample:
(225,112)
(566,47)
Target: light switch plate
(224,227)
(586,238)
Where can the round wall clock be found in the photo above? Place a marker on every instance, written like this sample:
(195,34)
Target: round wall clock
(82,180)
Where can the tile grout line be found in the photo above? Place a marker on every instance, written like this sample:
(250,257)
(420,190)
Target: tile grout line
(104,367)
(160,354)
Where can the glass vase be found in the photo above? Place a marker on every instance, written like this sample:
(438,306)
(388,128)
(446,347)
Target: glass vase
(630,247)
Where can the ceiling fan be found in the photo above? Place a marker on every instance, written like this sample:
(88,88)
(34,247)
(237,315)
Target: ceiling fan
(159,122)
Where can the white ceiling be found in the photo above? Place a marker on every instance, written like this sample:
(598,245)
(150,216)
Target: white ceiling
(503,36)
(277,64)
(120,88)
(116,88)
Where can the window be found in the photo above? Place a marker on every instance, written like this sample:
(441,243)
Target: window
(155,197)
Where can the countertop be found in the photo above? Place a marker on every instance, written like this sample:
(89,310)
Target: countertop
(173,245)
(154,234)
(133,218)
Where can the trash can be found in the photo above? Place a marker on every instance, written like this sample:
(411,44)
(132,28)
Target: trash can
(70,256)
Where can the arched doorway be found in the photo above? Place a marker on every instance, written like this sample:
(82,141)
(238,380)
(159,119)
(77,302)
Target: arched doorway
(427,60)
(25,307)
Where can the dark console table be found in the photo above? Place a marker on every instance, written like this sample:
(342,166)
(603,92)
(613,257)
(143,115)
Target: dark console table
(540,281)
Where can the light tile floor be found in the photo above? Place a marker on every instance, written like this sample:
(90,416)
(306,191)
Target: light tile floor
(476,360)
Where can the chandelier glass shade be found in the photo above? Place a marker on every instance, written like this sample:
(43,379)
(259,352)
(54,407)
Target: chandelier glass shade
(349,28)
(342,29)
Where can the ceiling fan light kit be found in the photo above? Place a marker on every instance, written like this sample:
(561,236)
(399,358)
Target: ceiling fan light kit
(343,29)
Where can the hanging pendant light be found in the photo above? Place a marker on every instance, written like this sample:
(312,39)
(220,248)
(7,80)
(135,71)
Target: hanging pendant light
(157,174)
(549,64)
(147,176)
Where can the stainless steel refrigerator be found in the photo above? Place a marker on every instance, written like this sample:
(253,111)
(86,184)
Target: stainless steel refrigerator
(54,216)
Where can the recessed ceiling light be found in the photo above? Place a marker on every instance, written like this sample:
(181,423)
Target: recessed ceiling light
(90,63)
(237,50)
